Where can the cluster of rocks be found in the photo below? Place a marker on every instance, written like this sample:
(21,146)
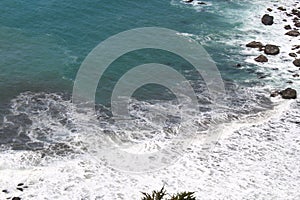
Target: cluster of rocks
(268,49)
(272,50)
(20,187)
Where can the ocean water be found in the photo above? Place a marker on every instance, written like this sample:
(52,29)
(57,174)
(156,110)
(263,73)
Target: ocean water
(47,145)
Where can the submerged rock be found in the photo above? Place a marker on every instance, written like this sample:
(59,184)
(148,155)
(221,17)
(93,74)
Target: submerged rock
(271,49)
(274,94)
(261,58)
(288,93)
(293,55)
(267,20)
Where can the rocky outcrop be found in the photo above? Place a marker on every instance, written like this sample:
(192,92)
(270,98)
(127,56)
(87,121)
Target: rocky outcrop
(254,44)
(267,20)
(261,58)
(293,33)
(271,49)
(296,62)
(288,93)
(293,55)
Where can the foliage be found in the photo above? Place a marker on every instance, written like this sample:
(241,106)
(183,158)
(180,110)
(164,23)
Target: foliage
(161,195)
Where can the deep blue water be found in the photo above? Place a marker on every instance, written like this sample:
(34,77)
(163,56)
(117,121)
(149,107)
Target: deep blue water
(43,42)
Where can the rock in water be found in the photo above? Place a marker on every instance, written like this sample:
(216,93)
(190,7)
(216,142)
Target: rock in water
(297,24)
(293,33)
(267,20)
(274,94)
(254,44)
(293,55)
(287,27)
(261,58)
(288,93)
(271,49)
(16,198)
(296,62)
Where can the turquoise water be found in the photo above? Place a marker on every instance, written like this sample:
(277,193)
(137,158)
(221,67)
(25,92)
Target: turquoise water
(43,44)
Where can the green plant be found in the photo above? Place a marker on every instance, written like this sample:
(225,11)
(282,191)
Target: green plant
(159,195)
(156,195)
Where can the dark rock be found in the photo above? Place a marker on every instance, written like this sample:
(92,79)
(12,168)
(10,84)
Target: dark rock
(238,65)
(284,20)
(296,75)
(261,58)
(293,55)
(271,49)
(20,184)
(293,33)
(296,62)
(281,8)
(297,24)
(274,94)
(288,93)
(270,9)
(254,44)
(188,1)
(287,27)
(296,12)
(267,20)
(201,3)
(21,189)
(5,191)
(289,82)
(296,47)
(16,198)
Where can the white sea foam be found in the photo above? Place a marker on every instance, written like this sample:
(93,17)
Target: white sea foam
(256,158)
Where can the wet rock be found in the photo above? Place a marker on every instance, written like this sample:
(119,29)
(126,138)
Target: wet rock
(297,24)
(293,55)
(295,47)
(274,94)
(238,65)
(296,62)
(288,93)
(201,3)
(284,20)
(20,189)
(188,1)
(296,75)
(5,191)
(271,49)
(289,82)
(16,198)
(267,20)
(269,9)
(281,8)
(20,184)
(296,12)
(261,58)
(293,33)
(287,27)
(254,44)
